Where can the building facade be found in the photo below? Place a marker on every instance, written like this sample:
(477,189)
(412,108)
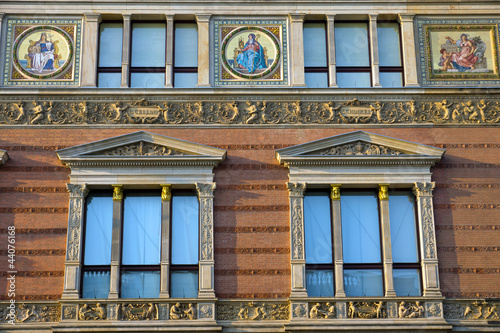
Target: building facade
(249,167)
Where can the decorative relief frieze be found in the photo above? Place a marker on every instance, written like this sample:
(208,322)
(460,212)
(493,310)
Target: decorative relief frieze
(205,194)
(140,149)
(411,310)
(434,309)
(357,148)
(366,310)
(28,313)
(69,312)
(253,311)
(183,311)
(144,311)
(441,112)
(206,311)
(477,310)
(92,312)
(74,228)
(322,310)
(299,310)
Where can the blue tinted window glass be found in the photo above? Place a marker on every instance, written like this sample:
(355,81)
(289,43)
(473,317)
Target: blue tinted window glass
(147,80)
(141,229)
(137,284)
(316,80)
(318,229)
(109,80)
(315,44)
(391,80)
(319,283)
(403,227)
(353,80)
(184,284)
(185,230)
(98,229)
(148,44)
(185,80)
(351,44)
(360,227)
(389,50)
(406,282)
(95,284)
(110,44)
(186,45)
(363,282)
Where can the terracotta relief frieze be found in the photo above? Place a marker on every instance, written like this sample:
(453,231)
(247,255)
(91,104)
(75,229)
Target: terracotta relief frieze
(82,112)
(472,310)
(253,311)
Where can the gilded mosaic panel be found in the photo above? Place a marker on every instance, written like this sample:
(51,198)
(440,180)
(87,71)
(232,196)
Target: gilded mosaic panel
(459,52)
(250,52)
(42,52)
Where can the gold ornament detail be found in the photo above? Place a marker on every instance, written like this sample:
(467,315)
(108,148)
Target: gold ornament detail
(383,192)
(166,192)
(335,191)
(117,192)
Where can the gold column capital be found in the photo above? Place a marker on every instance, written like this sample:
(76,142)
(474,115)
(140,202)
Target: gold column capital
(383,191)
(117,192)
(335,191)
(166,192)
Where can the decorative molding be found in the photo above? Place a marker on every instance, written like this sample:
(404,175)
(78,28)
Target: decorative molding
(117,192)
(33,210)
(383,192)
(34,189)
(411,310)
(24,231)
(250,229)
(205,190)
(30,169)
(143,311)
(366,310)
(253,311)
(253,250)
(467,206)
(166,192)
(77,191)
(74,228)
(35,274)
(472,294)
(465,227)
(428,227)
(335,191)
(255,208)
(468,249)
(423,189)
(325,310)
(464,270)
(23,252)
(471,310)
(464,185)
(479,112)
(235,272)
(299,310)
(31,313)
(184,311)
(357,148)
(296,189)
(20,297)
(140,149)
(466,165)
(296,193)
(92,312)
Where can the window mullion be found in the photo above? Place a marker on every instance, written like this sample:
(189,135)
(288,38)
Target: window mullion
(116,241)
(126,51)
(332,75)
(374,51)
(166,199)
(337,241)
(169,55)
(383,196)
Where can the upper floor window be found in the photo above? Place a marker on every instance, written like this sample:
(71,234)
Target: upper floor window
(109,71)
(389,54)
(315,55)
(186,55)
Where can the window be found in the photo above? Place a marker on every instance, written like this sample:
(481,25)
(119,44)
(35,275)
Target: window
(315,55)
(354,240)
(389,54)
(361,242)
(186,55)
(135,240)
(141,245)
(147,58)
(109,71)
(352,55)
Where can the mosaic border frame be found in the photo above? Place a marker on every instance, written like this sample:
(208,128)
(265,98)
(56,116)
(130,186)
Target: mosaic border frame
(9,61)
(218,81)
(423,26)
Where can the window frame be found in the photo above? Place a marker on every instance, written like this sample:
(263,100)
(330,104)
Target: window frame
(181,69)
(319,69)
(101,69)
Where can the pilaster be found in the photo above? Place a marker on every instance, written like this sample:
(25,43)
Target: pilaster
(126,50)
(430,274)
(332,69)
(297,74)
(206,264)
(166,200)
(383,196)
(409,52)
(298,262)
(169,52)
(89,53)
(203,21)
(337,240)
(72,269)
(374,52)
(116,241)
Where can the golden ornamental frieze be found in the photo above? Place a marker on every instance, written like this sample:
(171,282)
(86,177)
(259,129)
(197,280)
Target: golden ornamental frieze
(83,112)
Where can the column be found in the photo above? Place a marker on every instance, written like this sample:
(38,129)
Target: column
(166,199)
(116,241)
(73,264)
(332,70)
(337,241)
(383,196)
(126,50)
(203,21)
(206,273)
(89,53)
(169,52)
(297,75)
(409,51)
(430,274)
(374,51)
(298,260)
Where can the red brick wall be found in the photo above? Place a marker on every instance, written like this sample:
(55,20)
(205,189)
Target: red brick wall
(252,239)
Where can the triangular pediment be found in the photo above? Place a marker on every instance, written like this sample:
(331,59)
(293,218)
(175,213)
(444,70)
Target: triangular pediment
(141,147)
(357,145)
